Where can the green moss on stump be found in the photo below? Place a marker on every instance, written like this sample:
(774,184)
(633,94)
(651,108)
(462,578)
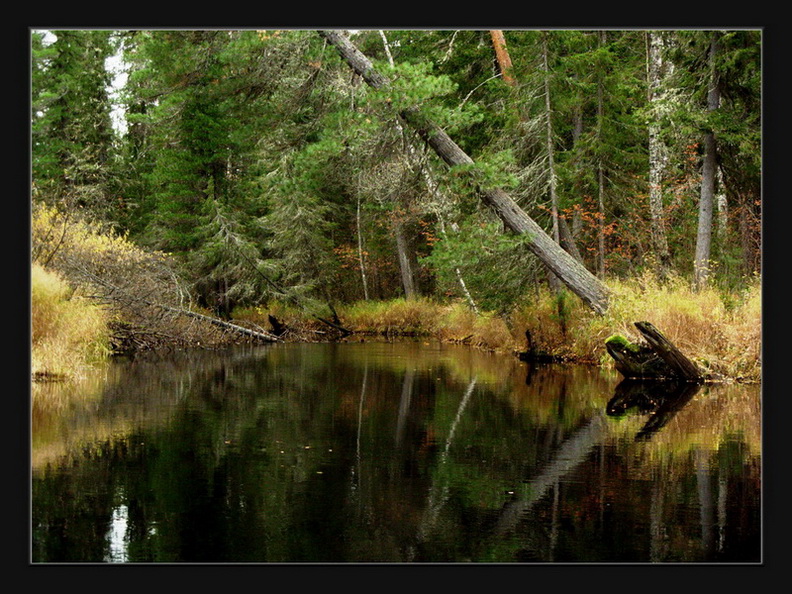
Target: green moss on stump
(635,360)
(619,342)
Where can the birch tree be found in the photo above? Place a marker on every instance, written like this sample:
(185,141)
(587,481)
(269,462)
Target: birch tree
(657,151)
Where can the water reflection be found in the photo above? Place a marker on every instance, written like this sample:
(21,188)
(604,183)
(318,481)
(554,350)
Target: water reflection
(660,400)
(391,453)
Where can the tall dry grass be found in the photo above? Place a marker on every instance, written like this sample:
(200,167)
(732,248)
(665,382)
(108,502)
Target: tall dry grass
(452,322)
(723,332)
(68,333)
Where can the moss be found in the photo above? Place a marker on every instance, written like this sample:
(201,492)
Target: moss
(618,341)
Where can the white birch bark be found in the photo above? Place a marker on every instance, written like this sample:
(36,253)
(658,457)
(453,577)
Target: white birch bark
(657,150)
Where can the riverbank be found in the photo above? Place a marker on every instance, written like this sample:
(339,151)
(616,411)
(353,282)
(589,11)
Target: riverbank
(720,331)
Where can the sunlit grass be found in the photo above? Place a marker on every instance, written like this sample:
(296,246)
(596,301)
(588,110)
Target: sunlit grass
(68,333)
(721,332)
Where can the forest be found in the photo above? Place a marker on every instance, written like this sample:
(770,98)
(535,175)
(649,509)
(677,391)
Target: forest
(489,187)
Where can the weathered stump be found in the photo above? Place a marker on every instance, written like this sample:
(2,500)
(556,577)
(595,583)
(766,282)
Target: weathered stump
(659,359)
(278,328)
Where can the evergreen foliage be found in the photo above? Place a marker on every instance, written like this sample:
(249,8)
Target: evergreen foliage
(247,153)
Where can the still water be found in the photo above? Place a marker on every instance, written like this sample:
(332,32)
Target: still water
(390,453)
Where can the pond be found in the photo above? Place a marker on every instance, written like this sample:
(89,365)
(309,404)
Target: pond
(405,452)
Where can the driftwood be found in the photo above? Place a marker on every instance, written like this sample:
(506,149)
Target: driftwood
(344,331)
(659,359)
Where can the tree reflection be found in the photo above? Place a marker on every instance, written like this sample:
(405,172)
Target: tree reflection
(394,453)
(661,400)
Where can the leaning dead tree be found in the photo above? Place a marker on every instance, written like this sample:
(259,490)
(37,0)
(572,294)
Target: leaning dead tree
(572,273)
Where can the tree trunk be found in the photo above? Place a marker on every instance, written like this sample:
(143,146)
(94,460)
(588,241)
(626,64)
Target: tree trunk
(722,208)
(360,254)
(567,240)
(580,281)
(660,360)
(656,151)
(555,284)
(549,141)
(502,56)
(701,262)
(405,267)
(600,177)
(668,352)
(458,273)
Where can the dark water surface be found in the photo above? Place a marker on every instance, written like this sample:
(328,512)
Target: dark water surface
(395,453)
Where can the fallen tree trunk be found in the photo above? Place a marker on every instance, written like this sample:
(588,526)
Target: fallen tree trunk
(573,274)
(265,336)
(659,359)
(116,294)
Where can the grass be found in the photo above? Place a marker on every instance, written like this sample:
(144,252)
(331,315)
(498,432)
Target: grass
(68,333)
(720,331)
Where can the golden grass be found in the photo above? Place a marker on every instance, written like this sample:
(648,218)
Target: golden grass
(721,332)
(724,339)
(68,333)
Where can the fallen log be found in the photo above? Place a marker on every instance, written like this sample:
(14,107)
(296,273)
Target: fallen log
(659,359)
(116,294)
(264,336)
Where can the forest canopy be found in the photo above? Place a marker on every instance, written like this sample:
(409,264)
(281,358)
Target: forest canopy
(266,169)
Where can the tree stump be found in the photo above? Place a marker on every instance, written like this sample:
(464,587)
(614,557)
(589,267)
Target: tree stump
(659,359)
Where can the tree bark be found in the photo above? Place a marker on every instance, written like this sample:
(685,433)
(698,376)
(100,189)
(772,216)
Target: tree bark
(668,352)
(580,281)
(408,283)
(656,151)
(460,279)
(660,360)
(360,254)
(502,56)
(431,185)
(549,141)
(701,261)
(554,281)
(600,175)
(402,245)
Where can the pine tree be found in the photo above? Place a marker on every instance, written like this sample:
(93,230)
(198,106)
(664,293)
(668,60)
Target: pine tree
(72,135)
